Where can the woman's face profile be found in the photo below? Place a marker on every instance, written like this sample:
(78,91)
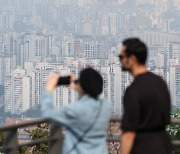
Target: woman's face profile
(77,86)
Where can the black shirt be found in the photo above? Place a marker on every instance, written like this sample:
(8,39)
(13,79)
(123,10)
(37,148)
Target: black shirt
(147,112)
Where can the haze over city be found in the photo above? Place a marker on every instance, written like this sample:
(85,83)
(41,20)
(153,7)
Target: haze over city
(38,37)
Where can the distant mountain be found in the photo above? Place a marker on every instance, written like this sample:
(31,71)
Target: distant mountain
(33,113)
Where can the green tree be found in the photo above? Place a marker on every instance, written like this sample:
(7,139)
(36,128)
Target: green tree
(1,141)
(174,130)
(40,132)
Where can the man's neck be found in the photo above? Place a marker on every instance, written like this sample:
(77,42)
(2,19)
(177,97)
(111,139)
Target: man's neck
(140,69)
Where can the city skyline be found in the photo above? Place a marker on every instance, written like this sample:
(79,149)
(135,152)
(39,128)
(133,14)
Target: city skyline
(40,37)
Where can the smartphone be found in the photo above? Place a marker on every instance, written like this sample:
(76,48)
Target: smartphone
(64,80)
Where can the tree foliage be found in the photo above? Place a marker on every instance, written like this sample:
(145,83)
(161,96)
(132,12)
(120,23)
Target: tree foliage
(40,132)
(1,142)
(174,130)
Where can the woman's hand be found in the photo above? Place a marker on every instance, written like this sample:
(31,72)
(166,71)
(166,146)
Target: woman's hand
(72,79)
(52,83)
(75,85)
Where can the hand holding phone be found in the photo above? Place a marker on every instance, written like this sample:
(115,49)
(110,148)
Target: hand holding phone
(55,81)
(66,80)
(52,83)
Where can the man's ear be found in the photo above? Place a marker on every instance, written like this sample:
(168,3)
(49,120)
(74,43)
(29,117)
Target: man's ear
(134,59)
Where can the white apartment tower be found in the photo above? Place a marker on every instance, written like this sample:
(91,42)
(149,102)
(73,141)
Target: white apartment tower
(172,79)
(17,92)
(174,50)
(109,24)
(7,64)
(112,88)
(177,86)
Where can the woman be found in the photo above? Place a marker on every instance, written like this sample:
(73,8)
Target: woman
(85,120)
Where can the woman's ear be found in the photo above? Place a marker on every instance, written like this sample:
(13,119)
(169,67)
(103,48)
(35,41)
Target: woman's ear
(77,87)
(80,89)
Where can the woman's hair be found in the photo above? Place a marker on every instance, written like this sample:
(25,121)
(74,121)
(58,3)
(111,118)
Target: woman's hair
(91,82)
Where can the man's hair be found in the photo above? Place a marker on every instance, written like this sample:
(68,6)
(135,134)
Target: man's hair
(136,47)
(91,82)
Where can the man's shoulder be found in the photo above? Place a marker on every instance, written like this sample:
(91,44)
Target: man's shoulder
(155,75)
(157,78)
(149,79)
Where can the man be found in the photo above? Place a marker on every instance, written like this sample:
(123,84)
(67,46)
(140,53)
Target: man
(146,104)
